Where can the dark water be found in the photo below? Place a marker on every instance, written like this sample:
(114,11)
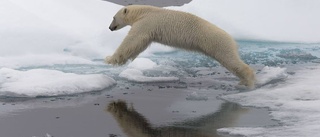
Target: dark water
(134,112)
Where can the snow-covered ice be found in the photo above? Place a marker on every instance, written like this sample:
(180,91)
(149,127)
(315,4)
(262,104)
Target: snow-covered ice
(294,103)
(33,60)
(142,64)
(41,82)
(288,21)
(268,74)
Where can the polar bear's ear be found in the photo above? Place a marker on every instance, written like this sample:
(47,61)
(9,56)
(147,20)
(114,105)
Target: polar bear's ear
(125,11)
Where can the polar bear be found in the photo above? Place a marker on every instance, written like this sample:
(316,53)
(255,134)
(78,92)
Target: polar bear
(180,30)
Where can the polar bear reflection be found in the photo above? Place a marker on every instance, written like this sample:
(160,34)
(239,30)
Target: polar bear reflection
(136,125)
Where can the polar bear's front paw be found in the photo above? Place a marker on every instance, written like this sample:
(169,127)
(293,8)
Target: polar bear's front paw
(110,60)
(114,61)
(246,83)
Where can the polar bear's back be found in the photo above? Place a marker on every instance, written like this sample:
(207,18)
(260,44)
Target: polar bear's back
(184,30)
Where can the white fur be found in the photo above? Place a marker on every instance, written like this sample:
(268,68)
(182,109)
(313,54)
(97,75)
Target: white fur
(177,29)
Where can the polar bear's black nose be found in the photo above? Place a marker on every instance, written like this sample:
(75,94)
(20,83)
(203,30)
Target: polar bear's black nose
(113,28)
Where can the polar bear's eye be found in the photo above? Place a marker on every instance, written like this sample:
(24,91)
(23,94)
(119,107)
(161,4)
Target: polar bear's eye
(125,11)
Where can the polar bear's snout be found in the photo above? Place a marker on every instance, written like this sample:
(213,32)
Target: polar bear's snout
(112,28)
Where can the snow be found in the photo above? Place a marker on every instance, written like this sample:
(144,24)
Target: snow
(268,74)
(51,26)
(33,60)
(42,82)
(142,64)
(253,20)
(295,103)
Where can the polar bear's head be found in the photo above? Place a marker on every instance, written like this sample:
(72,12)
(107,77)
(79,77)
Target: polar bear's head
(129,15)
(120,20)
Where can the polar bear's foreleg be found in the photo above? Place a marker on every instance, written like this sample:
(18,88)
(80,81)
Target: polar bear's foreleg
(130,48)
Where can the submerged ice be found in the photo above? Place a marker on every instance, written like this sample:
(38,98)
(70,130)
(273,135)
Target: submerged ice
(134,72)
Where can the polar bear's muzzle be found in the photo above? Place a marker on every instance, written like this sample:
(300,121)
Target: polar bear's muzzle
(112,28)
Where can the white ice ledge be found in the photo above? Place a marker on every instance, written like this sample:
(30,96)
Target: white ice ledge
(43,82)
